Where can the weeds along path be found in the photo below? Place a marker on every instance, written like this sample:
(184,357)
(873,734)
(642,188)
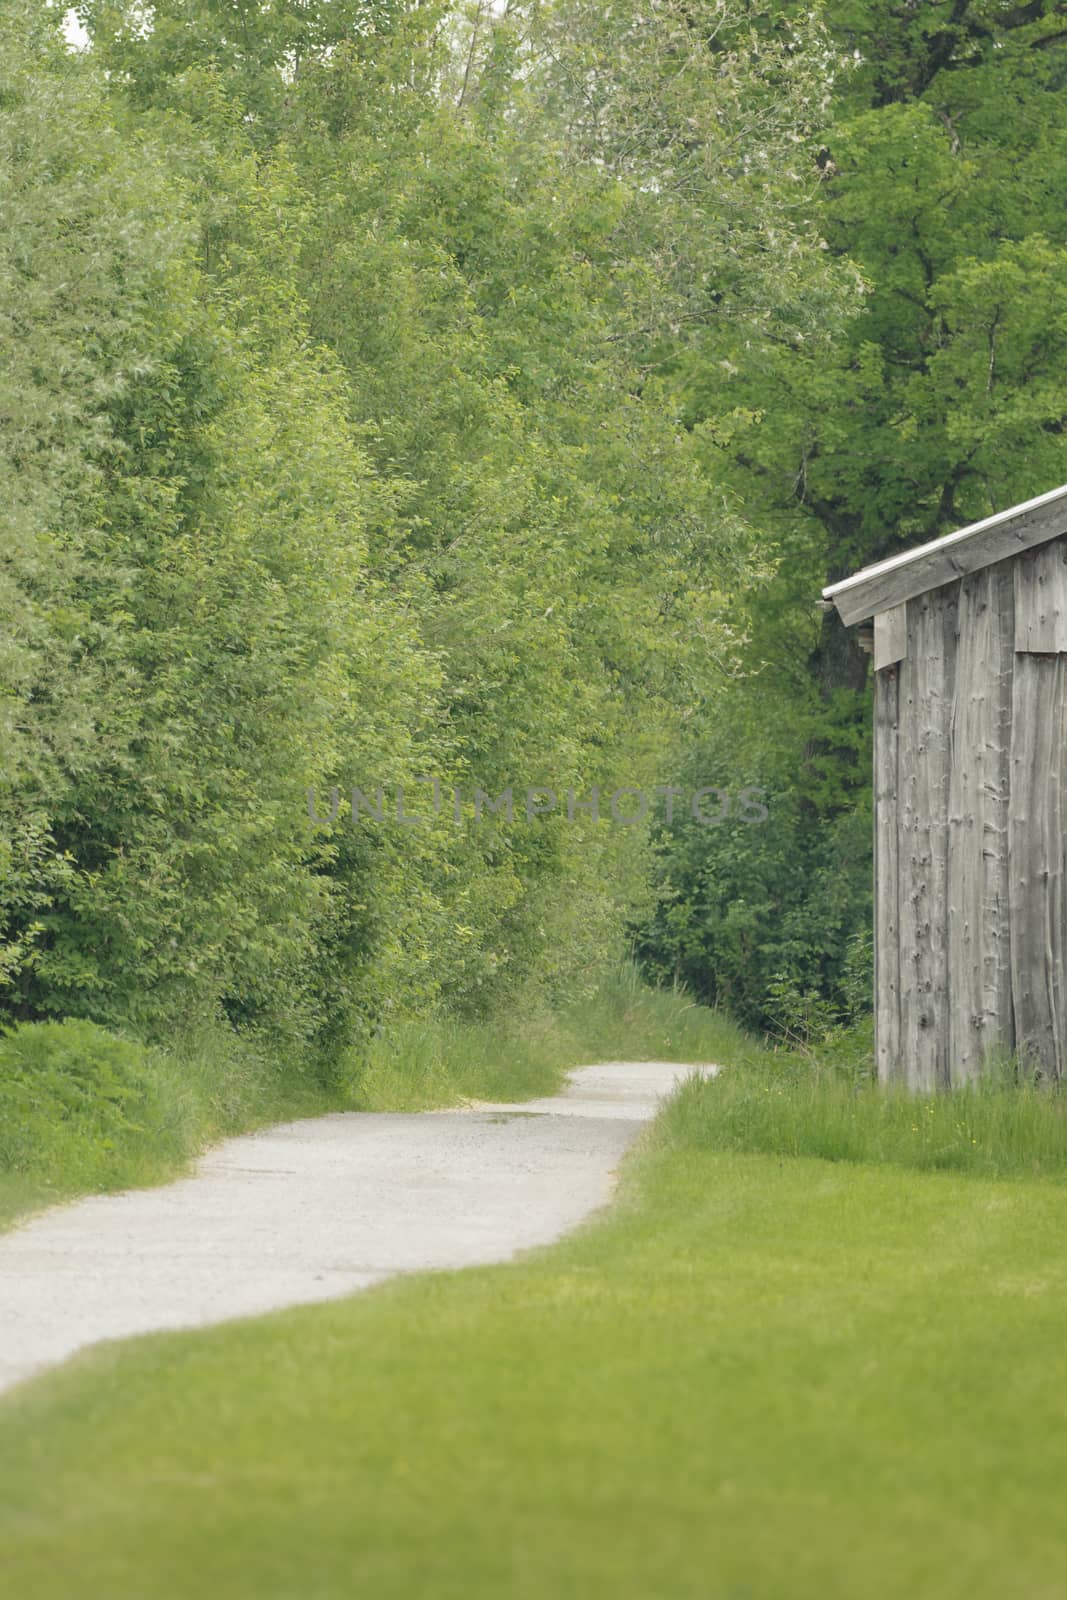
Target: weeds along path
(317,1209)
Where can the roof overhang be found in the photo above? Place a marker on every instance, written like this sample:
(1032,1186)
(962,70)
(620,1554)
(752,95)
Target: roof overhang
(889,583)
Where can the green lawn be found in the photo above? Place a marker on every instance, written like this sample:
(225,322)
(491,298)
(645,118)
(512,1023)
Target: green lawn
(758,1376)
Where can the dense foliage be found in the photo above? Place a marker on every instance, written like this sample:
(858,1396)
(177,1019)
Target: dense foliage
(482,394)
(344,444)
(942,400)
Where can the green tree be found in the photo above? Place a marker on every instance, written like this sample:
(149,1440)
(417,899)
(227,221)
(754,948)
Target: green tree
(508,287)
(187,572)
(941,174)
(385,460)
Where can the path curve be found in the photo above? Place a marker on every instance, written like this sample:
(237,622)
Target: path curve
(313,1210)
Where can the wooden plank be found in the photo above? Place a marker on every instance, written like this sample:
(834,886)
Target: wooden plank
(1041,599)
(926,678)
(912,872)
(955,555)
(1036,844)
(890,637)
(938,756)
(888,1057)
(978,930)
(996,955)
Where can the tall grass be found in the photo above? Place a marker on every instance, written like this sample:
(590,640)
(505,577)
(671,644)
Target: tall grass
(416,1065)
(828,1105)
(82,1109)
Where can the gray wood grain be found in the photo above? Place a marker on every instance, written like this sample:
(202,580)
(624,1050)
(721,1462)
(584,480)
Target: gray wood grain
(1041,598)
(978,1000)
(890,637)
(926,677)
(1036,844)
(887,942)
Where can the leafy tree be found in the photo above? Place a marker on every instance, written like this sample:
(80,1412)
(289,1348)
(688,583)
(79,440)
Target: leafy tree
(943,400)
(380,361)
(188,571)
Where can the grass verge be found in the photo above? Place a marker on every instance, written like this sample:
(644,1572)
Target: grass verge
(826,1104)
(420,1065)
(82,1110)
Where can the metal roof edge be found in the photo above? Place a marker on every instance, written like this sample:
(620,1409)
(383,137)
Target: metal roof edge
(945,541)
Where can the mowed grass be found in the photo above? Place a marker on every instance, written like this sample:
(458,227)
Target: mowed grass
(754,1377)
(815,1349)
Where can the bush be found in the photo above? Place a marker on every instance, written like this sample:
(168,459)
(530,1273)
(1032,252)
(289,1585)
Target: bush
(76,1102)
(84,1109)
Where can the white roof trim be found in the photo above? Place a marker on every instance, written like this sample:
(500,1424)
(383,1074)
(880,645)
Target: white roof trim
(945,542)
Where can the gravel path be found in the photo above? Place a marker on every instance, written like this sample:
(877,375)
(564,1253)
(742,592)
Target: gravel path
(317,1209)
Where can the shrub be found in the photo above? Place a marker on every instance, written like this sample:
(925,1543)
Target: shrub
(75,1101)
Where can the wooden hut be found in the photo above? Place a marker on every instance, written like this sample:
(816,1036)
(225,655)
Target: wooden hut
(970,709)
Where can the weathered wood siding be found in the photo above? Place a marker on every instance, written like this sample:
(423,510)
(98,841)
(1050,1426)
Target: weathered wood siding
(1036,852)
(978,996)
(971,826)
(890,636)
(887,879)
(1040,579)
